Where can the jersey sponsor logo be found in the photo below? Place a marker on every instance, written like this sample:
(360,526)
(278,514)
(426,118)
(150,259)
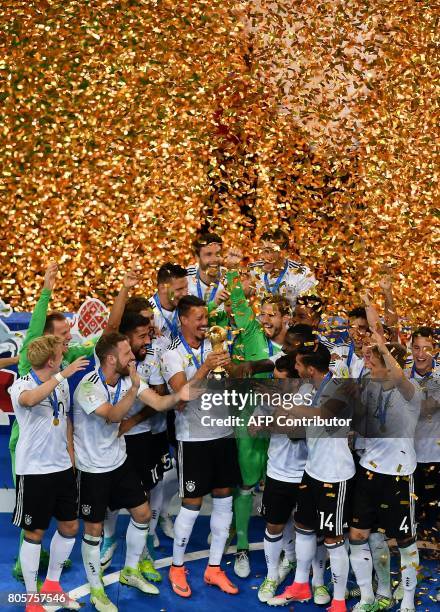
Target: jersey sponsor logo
(190,486)
(85,509)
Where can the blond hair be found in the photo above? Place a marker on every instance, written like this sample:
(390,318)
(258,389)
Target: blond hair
(42,349)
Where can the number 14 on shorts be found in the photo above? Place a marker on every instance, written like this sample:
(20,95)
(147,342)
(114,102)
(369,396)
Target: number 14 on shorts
(326,522)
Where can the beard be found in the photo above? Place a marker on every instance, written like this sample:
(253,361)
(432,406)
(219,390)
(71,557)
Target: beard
(140,354)
(211,270)
(122,370)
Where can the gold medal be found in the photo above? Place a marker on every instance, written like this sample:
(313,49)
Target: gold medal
(56,421)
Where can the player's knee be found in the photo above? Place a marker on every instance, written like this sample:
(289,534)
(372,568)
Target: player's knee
(141,514)
(222,492)
(195,502)
(303,528)
(334,542)
(68,529)
(404,542)
(358,535)
(273,529)
(34,536)
(93,529)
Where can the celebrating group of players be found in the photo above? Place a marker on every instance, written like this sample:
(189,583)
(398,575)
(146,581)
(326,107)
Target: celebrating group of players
(113,438)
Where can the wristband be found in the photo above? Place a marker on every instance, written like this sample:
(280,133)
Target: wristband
(59,377)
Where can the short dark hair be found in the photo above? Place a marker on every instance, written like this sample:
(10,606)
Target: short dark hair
(397,351)
(168,271)
(305,332)
(423,332)
(107,344)
(358,313)
(277,236)
(205,239)
(318,358)
(286,363)
(311,301)
(187,302)
(50,320)
(136,303)
(280,301)
(131,320)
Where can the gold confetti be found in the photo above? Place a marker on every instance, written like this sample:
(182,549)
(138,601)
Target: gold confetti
(127,126)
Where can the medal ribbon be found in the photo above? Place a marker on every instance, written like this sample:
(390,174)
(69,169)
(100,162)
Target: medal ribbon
(189,351)
(172,325)
(199,289)
(52,398)
(277,283)
(118,388)
(321,388)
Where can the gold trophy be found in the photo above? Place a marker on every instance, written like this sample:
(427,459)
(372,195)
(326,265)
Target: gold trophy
(217,335)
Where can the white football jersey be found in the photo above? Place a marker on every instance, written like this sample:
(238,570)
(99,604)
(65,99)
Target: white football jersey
(41,446)
(149,370)
(286,458)
(329,457)
(198,288)
(164,320)
(277,354)
(394,455)
(344,362)
(97,445)
(189,426)
(296,280)
(427,437)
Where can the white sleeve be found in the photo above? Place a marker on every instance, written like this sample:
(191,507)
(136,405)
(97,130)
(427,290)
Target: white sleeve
(172,363)
(156,377)
(275,357)
(89,396)
(142,386)
(304,281)
(20,385)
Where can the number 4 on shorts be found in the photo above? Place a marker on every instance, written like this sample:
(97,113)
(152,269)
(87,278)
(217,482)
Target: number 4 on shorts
(326,522)
(403,526)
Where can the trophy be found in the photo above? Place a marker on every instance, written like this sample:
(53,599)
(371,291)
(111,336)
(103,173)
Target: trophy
(217,335)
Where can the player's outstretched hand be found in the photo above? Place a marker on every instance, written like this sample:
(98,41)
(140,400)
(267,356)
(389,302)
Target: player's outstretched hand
(76,366)
(50,275)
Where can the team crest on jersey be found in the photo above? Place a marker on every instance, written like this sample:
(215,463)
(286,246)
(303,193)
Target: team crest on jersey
(27,519)
(86,509)
(190,486)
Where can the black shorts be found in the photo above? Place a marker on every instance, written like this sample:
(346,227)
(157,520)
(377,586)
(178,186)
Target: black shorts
(384,501)
(427,482)
(120,488)
(142,449)
(39,497)
(279,500)
(323,506)
(204,466)
(162,448)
